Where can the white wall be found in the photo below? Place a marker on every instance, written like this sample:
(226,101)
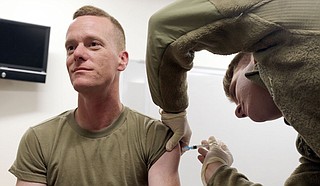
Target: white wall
(258,149)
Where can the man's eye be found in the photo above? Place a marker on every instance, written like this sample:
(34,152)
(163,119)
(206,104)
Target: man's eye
(94,44)
(70,49)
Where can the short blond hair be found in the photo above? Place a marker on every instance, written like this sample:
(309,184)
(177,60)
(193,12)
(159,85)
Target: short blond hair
(94,11)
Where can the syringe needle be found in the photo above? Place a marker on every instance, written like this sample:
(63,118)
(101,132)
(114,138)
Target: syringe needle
(186,148)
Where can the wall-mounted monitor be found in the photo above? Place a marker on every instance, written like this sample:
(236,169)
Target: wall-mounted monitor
(23,51)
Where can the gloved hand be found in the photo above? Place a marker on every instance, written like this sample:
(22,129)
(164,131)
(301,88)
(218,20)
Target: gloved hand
(218,152)
(178,123)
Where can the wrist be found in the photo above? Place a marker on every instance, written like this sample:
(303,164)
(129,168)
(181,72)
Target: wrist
(212,169)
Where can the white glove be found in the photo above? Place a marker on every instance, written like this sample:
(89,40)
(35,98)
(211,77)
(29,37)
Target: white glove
(218,152)
(178,123)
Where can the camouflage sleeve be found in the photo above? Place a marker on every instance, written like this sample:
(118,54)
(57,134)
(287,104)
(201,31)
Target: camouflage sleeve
(182,28)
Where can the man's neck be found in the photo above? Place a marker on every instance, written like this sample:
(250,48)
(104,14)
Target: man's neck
(94,114)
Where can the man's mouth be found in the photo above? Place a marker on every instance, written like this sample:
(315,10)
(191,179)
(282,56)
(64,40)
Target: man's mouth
(80,69)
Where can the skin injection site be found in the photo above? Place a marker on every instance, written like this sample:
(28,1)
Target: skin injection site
(181,93)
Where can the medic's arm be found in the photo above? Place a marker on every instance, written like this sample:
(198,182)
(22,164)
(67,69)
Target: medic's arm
(182,28)
(179,30)
(167,74)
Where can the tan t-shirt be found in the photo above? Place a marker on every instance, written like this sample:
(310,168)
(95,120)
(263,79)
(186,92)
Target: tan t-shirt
(59,152)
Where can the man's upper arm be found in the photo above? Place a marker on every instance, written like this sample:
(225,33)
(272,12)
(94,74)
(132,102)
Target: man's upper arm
(29,164)
(165,170)
(25,183)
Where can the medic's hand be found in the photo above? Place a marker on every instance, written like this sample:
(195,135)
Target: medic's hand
(178,123)
(217,156)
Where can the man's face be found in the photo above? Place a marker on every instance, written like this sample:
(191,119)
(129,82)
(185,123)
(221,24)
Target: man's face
(93,60)
(252,100)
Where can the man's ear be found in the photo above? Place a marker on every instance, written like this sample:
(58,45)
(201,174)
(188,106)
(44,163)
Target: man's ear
(123,60)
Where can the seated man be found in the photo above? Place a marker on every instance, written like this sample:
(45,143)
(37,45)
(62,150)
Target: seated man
(101,142)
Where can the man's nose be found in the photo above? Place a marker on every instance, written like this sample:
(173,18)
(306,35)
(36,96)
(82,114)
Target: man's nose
(239,112)
(80,53)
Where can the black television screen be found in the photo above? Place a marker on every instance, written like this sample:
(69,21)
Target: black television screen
(23,51)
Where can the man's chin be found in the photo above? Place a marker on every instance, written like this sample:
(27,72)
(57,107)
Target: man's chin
(263,119)
(82,86)
(258,120)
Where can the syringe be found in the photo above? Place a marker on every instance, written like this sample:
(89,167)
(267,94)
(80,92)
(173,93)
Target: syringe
(186,148)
